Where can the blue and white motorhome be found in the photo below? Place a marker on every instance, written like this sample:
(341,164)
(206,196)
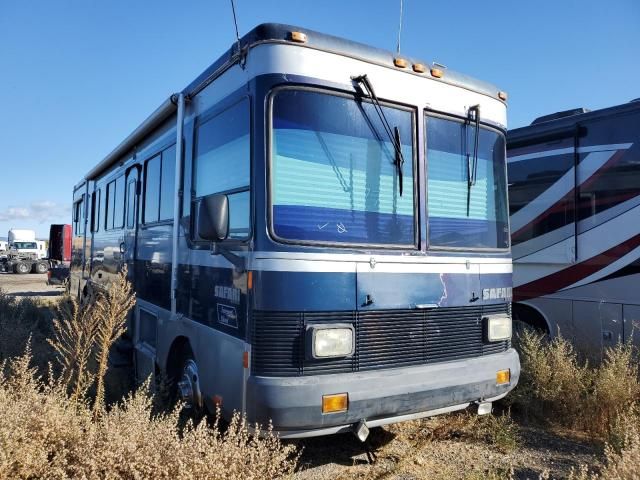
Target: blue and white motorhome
(317,232)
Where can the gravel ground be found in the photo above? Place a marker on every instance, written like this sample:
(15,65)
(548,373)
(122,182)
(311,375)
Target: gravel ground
(418,450)
(29,285)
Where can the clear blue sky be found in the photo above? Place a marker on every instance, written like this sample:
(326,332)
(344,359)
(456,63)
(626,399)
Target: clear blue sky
(76,76)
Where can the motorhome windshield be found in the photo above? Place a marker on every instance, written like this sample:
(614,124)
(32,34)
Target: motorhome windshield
(25,245)
(334,171)
(467,199)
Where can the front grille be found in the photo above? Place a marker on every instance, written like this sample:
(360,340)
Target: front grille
(384,339)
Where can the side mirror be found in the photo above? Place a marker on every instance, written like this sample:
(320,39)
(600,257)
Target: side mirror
(213,218)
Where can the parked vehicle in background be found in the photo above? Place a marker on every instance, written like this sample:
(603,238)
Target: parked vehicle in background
(317,234)
(24,242)
(23,255)
(3,247)
(574,193)
(60,238)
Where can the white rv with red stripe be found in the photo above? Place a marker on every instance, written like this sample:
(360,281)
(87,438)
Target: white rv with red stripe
(574,187)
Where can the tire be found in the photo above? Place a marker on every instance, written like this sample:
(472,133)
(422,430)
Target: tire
(41,267)
(185,388)
(22,268)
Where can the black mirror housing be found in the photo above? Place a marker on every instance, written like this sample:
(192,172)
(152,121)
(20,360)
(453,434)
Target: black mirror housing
(213,217)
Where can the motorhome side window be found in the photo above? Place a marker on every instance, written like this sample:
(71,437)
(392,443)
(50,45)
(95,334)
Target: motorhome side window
(529,178)
(159,175)
(77,218)
(95,211)
(115,204)
(222,163)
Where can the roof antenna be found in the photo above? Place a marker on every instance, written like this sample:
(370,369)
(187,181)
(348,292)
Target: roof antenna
(399,29)
(235,22)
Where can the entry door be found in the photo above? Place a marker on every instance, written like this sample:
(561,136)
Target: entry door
(128,246)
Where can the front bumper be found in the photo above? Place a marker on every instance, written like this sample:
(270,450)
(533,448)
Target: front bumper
(294,405)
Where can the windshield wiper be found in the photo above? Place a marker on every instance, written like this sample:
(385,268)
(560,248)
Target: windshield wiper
(398,160)
(472,166)
(394,134)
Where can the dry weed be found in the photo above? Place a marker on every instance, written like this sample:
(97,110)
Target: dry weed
(621,464)
(73,342)
(553,384)
(557,386)
(45,434)
(110,309)
(84,335)
(21,320)
(616,391)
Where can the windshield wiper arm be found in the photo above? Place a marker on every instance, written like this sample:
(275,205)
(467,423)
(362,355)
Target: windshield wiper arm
(398,160)
(472,167)
(394,134)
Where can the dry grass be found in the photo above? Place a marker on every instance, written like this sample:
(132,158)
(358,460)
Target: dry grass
(45,434)
(22,320)
(54,424)
(51,428)
(621,463)
(602,400)
(557,387)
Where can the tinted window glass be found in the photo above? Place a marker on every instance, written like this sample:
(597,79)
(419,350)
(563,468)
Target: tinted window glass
(222,163)
(111,198)
(99,209)
(77,218)
(223,151)
(239,215)
(152,190)
(467,201)
(131,204)
(615,182)
(25,245)
(167,187)
(95,211)
(118,210)
(541,197)
(334,176)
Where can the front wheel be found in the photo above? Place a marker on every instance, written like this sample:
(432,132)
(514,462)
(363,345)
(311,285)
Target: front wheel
(188,384)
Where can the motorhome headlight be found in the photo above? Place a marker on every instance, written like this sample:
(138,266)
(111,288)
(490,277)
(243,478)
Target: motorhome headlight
(498,327)
(328,341)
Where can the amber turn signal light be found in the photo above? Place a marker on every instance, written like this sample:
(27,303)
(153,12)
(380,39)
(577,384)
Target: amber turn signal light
(338,402)
(503,376)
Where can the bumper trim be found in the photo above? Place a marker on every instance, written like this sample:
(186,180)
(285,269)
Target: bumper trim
(318,432)
(379,397)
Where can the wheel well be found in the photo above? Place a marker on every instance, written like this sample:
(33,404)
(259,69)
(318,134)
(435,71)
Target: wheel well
(531,316)
(180,347)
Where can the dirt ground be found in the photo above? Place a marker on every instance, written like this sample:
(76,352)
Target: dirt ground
(29,285)
(419,450)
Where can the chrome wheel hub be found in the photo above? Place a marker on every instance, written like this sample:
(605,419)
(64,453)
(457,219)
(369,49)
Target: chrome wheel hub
(189,386)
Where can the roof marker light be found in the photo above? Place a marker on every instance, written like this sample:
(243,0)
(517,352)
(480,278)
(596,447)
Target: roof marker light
(419,68)
(437,72)
(502,96)
(299,37)
(400,62)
